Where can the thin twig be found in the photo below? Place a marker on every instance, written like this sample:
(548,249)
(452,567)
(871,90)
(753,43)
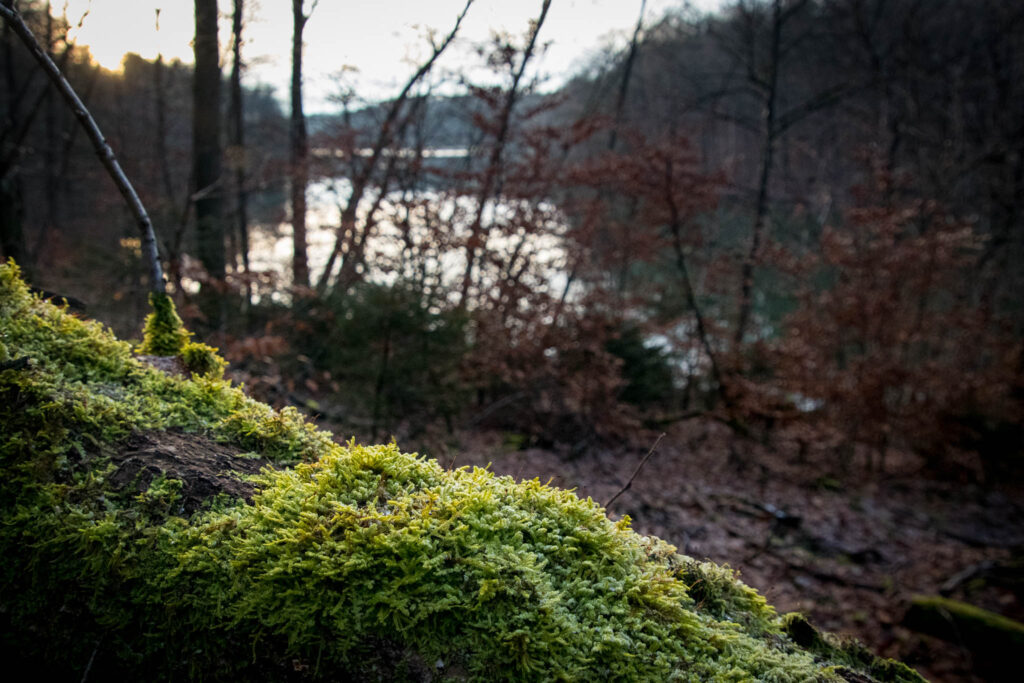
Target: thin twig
(451,463)
(88,667)
(636,471)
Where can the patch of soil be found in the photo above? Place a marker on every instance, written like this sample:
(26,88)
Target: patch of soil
(169,365)
(205,467)
(814,534)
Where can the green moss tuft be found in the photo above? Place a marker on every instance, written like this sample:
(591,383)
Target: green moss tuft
(717,590)
(993,638)
(354,562)
(847,655)
(796,626)
(164,333)
(201,359)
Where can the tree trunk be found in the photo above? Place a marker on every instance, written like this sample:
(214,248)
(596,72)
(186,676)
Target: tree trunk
(50,151)
(206,141)
(12,237)
(770,87)
(627,72)
(237,140)
(298,153)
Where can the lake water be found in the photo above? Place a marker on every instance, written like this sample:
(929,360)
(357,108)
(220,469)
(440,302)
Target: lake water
(271,247)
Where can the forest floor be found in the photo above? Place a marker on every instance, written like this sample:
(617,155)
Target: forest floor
(847,549)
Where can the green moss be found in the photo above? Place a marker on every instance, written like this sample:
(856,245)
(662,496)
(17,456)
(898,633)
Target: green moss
(971,618)
(847,655)
(201,359)
(164,333)
(351,562)
(717,591)
(993,638)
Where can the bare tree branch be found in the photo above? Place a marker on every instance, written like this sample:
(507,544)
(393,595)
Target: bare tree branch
(627,72)
(103,150)
(384,137)
(491,173)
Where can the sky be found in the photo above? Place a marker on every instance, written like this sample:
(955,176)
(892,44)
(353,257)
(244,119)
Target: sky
(376,43)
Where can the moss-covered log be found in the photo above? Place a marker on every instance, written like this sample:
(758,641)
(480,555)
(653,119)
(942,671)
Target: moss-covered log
(995,640)
(160,523)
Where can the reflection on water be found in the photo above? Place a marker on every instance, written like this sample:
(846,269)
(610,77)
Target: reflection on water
(433,215)
(271,245)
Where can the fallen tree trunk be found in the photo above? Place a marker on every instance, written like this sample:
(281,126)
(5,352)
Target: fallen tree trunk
(163,526)
(995,640)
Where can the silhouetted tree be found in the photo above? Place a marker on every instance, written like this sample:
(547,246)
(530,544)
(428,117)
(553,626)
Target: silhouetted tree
(516,62)
(206,144)
(351,240)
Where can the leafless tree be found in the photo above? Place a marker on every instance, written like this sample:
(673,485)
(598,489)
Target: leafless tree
(206,141)
(492,172)
(351,241)
(236,132)
(761,47)
(298,147)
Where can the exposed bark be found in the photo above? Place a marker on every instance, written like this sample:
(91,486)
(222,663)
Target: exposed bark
(103,150)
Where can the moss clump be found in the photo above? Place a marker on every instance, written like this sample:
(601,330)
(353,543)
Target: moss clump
(164,333)
(350,562)
(201,359)
(847,655)
(996,639)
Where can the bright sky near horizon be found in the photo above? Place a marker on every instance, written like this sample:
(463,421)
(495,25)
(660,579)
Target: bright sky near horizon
(379,42)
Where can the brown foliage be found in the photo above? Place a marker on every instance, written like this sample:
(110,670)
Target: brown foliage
(548,374)
(896,350)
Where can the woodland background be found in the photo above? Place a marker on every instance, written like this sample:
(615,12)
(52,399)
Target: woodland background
(789,234)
